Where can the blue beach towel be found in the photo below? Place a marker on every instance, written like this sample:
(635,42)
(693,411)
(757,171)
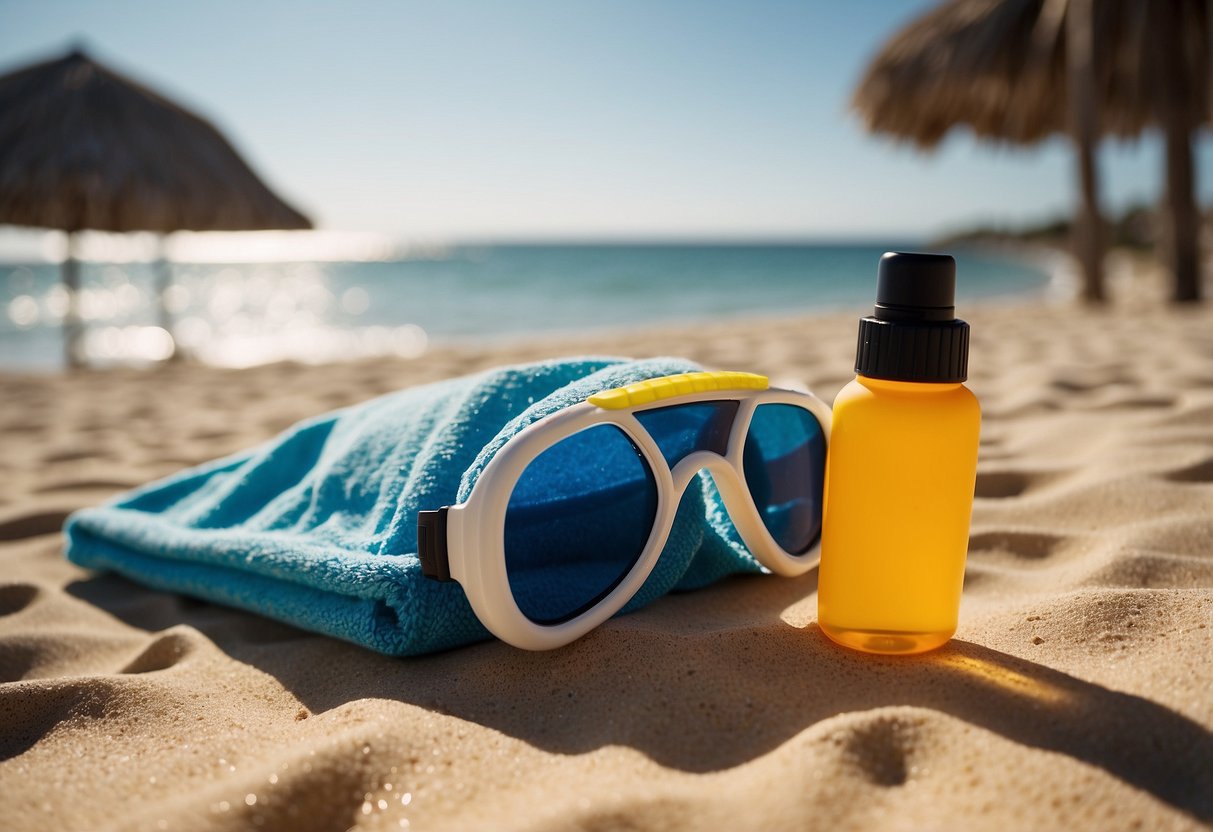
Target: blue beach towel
(318,527)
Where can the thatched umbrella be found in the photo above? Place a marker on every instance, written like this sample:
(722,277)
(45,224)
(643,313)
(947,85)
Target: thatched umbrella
(1022,70)
(82,147)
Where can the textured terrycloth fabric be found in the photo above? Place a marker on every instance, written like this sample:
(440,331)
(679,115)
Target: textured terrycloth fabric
(318,527)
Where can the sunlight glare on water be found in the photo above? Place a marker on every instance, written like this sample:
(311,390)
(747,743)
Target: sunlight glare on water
(239,315)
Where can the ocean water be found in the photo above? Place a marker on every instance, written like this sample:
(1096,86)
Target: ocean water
(244,314)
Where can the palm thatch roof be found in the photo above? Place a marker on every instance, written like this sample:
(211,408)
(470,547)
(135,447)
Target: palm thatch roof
(1021,70)
(82,147)
(1000,68)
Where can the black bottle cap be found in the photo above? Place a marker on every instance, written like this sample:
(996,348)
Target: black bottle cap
(915,287)
(913,333)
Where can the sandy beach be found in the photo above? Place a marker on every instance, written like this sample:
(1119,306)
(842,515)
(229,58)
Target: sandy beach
(1076,694)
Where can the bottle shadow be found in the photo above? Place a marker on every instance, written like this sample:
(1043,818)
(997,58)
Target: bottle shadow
(711,696)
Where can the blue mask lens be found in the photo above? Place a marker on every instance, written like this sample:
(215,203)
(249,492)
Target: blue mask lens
(576,523)
(682,429)
(784,463)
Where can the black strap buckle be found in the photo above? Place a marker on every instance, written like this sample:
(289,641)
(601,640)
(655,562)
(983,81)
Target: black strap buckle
(431,544)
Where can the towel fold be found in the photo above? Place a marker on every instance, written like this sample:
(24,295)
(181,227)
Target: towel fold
(318,527)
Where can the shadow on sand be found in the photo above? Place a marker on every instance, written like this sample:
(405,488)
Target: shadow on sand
(757,684)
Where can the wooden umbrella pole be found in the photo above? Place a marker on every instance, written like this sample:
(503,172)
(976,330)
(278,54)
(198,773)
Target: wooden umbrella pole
(1084,129)
(164,282)
(1182,219)
(73,329)
(1182,226)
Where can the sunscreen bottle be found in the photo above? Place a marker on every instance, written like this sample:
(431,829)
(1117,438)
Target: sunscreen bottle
(901,468)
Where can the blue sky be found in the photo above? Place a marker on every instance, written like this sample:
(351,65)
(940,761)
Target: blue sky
(498,120)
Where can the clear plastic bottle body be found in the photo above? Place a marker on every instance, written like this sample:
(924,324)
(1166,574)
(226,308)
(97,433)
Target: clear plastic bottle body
(898,500)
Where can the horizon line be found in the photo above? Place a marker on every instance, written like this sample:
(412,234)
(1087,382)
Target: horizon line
(30,246)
